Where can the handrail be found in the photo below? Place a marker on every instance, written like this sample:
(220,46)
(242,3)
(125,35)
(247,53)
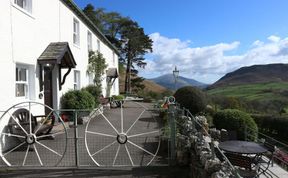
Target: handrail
(233,170)
(271,138)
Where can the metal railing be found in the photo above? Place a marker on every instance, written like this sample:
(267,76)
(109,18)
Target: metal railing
(176,111)
(280,155)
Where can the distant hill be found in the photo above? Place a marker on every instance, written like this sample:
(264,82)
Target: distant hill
(168,81)
(254,74)
(154,87)
(149,85)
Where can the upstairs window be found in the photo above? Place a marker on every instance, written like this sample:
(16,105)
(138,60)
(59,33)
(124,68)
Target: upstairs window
(89,41)
(76,80)
(98,45)
(76,32)
(113,57)
(21,82)
(24,4)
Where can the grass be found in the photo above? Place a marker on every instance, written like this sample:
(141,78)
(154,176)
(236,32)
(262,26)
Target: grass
(260,91)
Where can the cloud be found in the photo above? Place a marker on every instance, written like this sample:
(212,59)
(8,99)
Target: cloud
(209,63)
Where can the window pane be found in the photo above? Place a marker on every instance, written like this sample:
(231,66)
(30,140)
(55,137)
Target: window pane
(22,75)
(20,90)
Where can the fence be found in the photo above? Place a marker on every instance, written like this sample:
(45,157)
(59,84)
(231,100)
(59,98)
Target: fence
(125,136)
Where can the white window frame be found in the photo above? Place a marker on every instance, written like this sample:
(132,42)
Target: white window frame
(89,41)
(77,83)
(76,32)
(19,81)
(25,5)
(98,45)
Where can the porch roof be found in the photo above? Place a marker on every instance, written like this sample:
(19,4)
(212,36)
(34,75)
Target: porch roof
(58,53)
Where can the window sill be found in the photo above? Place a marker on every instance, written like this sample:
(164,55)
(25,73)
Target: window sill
(76,45)
(23,11)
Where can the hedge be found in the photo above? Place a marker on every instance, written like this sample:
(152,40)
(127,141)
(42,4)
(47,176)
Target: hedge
(236,120)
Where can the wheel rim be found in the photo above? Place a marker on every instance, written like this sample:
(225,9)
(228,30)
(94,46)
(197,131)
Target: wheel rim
(27,140)
(123,142)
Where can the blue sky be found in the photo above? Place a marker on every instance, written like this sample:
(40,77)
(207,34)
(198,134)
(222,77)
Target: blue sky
(207,38)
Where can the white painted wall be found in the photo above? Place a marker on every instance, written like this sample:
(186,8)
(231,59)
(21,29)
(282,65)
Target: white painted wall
(23,38)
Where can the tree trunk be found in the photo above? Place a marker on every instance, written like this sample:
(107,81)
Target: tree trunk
(128,77)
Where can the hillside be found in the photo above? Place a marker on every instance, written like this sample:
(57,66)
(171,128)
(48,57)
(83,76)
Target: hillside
(149,85)
(168,81)
(254,74)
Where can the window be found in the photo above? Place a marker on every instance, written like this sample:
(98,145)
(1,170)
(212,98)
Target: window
(98,45)
(113,57)
(89,41)
(76,32)
(76,80)
(21,82)
(24,4)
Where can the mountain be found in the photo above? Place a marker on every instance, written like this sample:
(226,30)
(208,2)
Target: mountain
(254,74)
(168,81)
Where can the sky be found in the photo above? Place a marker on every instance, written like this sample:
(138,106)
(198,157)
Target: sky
(206,39)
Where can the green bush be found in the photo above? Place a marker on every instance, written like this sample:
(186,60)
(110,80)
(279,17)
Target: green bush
(118,97)
(236,120)
(77,99)
(192,99)
(95,92)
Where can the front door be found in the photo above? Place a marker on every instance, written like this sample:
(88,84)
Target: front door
(48,89)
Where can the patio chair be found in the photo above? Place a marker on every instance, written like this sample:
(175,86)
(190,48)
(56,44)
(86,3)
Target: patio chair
(243,165)
(264,161)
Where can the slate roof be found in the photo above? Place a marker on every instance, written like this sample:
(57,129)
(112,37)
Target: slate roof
(58,53)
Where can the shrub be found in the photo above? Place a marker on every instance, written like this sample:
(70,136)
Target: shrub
(77,99)
(95,92)
(236,120)
(118,97)
(192,99)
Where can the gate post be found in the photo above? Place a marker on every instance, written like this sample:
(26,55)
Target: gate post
(76,138)
(171,112)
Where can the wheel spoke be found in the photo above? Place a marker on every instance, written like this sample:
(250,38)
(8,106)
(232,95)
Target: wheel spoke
(16,147)
(42,123)
(13,135)
(102,134)
(39,159)
(129,155)
(141,148)
(107,146)
(135,121)
(18,123)
(141,134)
(110,123)
(30,119)
(53,134)
(26,154)
(121,119)
(50,149)
(116,154)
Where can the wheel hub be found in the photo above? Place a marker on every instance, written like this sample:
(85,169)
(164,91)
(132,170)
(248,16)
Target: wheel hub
(30,139)
(122,138)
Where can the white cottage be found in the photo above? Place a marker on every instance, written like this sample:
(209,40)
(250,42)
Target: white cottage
(44,48)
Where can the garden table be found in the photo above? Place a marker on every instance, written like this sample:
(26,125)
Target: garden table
(242,147)
(252,150)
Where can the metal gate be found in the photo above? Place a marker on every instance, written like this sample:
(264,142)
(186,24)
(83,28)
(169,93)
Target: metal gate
(128,135)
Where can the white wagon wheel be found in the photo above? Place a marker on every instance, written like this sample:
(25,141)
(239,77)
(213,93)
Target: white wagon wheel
(130,136)
(31,138)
